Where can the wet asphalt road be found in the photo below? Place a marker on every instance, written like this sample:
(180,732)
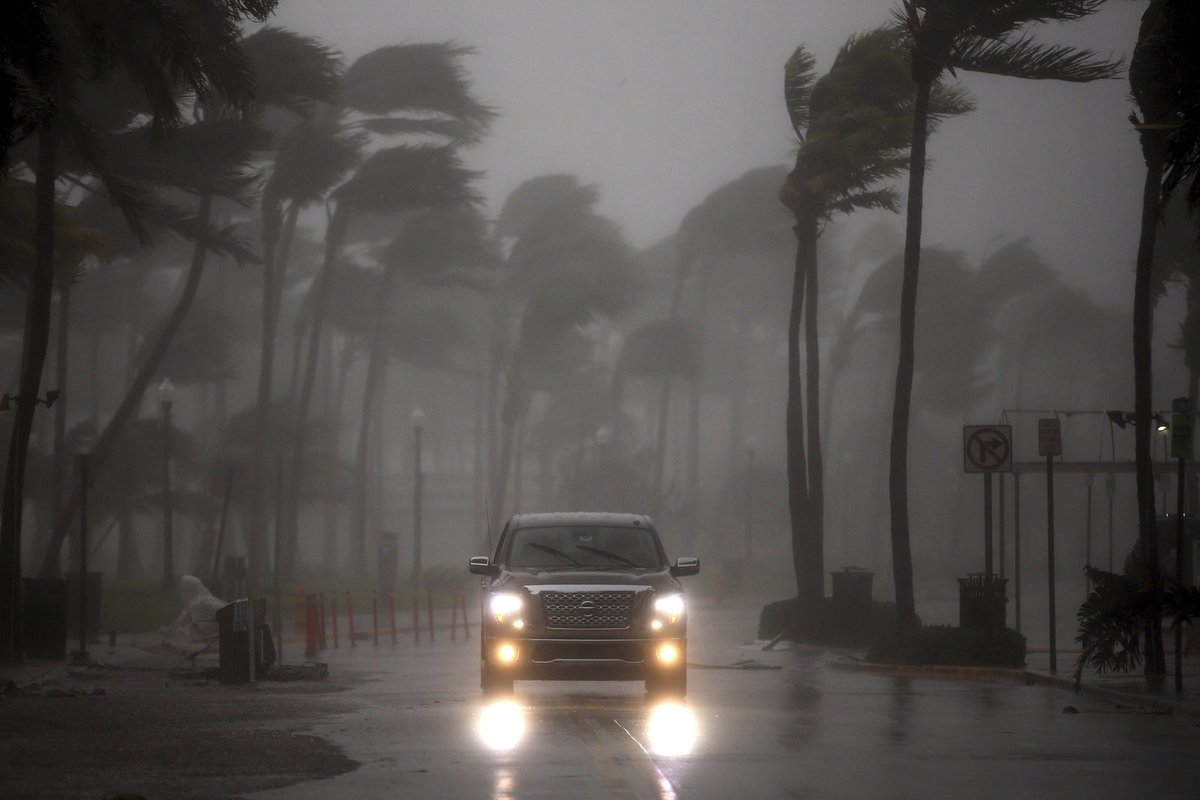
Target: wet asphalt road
(783,725)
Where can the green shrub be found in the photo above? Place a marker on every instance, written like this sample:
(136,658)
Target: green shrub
(943,644)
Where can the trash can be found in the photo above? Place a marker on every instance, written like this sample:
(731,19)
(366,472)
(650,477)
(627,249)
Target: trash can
(973,601)
(44,617)
(93,604)
(234,640)
(852,596)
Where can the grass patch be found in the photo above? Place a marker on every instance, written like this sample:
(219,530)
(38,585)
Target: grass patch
(946,645)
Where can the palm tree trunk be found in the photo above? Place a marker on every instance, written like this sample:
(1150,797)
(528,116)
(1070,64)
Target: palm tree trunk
(816,468)
(660,441)
(1143,327)
(333,242)
(797,467)
(266,367)
(510,415)
(902,570)
(375,364)
(35,344)
(137,389)
(60,411)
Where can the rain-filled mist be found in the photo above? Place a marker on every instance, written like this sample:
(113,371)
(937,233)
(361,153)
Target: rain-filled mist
(466,260)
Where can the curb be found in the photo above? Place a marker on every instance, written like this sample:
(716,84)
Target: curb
(1025,676)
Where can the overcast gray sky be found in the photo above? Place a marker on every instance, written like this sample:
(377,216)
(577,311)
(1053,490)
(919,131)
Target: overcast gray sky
(661,101)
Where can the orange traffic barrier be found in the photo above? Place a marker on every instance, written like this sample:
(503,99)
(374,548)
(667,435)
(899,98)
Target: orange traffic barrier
(333,616)
(429,608)
(392,612)
(375,618)
(312,627)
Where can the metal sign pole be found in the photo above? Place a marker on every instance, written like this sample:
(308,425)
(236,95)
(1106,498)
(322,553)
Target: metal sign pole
(81,466)
(1017,546)
(1050,555)
(1181,448)
(988,597)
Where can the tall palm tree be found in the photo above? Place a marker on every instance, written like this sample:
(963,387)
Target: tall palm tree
(159,48)
(661,350)
(437,247)
(211,157)
(737,227)
(403,90)
(1165,83)
(569,267)
(974,36)
(853,136)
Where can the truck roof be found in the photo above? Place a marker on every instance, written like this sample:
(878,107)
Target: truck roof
(561,518)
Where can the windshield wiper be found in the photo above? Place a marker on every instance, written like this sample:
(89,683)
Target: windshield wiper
(606,554)
(555,552)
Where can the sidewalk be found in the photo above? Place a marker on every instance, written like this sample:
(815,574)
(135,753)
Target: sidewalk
(1123,689)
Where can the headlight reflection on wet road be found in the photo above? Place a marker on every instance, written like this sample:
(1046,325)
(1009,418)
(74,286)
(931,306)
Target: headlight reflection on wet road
(671,730)
(501,725)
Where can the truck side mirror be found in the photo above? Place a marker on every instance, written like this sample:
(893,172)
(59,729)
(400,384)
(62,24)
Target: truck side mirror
(480,565)
(685,566)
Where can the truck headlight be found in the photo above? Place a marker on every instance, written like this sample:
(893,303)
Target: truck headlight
(668,608)
(506,607)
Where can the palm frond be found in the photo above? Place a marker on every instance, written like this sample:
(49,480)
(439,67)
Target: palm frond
(439,245)
(887,199)
(998,20)
(530,201)
(417,79)
(799,74)
(290,70)
(406,178)
(1026,58)
(312,158)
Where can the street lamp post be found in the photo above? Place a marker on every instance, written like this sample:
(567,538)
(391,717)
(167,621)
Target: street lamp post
(418,423)
(166,395)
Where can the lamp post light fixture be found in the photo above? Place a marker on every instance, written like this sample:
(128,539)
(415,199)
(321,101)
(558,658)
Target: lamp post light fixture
(166,396)
(418,424)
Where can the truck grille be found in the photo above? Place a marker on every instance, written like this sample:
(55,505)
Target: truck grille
(587,609)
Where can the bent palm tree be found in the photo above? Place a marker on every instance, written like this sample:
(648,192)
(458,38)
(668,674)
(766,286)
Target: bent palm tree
(159,48)
(1165,83)
(853,136)
(974,36)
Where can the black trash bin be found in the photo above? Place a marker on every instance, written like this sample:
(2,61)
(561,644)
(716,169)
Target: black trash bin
(852,597)
(44,617)
(93,605)
(234,641)
(973,601)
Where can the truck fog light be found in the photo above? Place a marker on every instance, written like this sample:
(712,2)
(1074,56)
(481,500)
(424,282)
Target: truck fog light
(656,625)
(506,653)
(667,653)
(518,624)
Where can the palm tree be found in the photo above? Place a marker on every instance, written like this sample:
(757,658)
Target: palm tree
(974,36)
(661,350)
(853,137)
(404,90)
(437,247)
(569,267)
(209,158)
(735,229)
(1165,83)
(165,49)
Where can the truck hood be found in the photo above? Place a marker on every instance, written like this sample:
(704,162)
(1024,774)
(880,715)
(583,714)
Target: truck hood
(659,580)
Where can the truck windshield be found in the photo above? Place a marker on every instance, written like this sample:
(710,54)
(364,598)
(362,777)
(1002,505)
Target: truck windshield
(584,548)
